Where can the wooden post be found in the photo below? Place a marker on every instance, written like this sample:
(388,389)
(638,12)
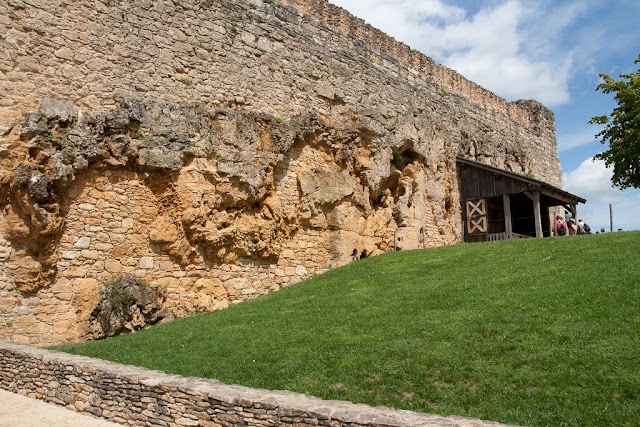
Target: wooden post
(537,214)
(508,224)
(610,217)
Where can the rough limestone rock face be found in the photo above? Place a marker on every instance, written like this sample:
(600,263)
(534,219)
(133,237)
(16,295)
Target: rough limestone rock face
(219,151)
(126,305)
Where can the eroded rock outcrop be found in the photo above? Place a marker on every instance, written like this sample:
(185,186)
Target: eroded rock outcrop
(241,156)
(126,304)
(222,187)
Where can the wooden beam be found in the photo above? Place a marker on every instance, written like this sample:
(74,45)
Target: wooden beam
(464,221)
(508,225)
(529,195)
(537,214)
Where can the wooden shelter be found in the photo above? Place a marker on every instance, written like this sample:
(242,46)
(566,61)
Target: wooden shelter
(499,205)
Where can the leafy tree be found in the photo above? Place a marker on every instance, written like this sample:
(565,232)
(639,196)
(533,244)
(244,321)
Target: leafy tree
(622,130)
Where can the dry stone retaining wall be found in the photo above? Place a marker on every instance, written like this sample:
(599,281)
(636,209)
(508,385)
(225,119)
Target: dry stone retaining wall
(220,150)
(141,397)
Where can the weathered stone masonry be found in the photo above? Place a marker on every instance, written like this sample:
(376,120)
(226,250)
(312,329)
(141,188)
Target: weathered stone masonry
(140,397)
(220,150)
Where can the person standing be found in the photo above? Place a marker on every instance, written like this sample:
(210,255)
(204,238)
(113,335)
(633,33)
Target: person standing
(573,228)
(583,228)
(561,228)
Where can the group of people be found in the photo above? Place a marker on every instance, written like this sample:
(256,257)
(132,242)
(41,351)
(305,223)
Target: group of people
(571,228)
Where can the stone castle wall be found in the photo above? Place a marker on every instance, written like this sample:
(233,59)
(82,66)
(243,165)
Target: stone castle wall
(221,150)
(354,34)
(255,54)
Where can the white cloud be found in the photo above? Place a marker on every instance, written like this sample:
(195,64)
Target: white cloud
(573,140)
(592,180)
(507,46)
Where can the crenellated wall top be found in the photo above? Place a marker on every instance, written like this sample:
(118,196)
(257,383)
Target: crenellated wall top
(372,41)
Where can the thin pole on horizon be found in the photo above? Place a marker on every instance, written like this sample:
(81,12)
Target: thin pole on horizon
(610,218)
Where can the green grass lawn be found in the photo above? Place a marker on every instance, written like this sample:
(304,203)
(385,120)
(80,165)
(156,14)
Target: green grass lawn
(530,332)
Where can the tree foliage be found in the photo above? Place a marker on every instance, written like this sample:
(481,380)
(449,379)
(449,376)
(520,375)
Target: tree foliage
(622,128)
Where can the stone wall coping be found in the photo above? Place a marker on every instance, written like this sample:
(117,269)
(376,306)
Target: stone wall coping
(286,403)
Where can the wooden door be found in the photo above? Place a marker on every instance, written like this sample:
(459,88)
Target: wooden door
(477,222)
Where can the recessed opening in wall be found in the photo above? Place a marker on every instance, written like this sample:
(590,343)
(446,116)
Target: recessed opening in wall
(448,204)
(391,184)
(364,254)
(403,157)
(134,126)
(187,158)
(33,152)
(401,191)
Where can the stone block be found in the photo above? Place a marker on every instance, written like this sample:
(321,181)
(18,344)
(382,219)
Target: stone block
(163,230)
(75,271)
(237,283)
(64,53)
(83,243)
(69,254)
(88,254)
(113,266)
(122,250)
(128,223)
(265,44)
(187,422)
(146,262)
(210,286)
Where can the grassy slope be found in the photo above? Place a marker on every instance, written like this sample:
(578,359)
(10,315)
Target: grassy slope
(535,332)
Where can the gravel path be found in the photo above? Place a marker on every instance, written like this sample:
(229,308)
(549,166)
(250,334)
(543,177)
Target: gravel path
(16,410)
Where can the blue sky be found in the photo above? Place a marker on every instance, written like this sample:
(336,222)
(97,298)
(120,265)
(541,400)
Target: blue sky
(548,50)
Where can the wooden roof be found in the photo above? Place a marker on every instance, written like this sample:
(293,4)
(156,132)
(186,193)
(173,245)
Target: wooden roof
(488,181)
